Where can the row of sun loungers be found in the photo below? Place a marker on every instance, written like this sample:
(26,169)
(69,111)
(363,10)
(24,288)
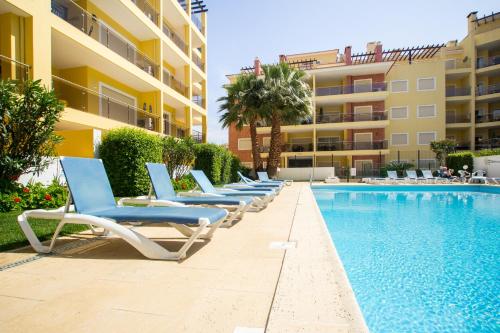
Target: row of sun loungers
(428,178)
(195,214)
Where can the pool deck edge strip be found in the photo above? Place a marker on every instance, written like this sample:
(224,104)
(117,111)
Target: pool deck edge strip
(313,291)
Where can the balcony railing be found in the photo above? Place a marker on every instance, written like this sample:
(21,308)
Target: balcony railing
(197,99)
(351,145)
(350,117)
(488,117)
(455,91)
(12,69)
(197,60)
(453,118)
(98,30)
(175,38)
(197,136)
(147,9)
(487,62)
(183,4)
(488,144)
(173,83)
(351,89)
(486,90)
(172,129)
(197,22)
(87,100)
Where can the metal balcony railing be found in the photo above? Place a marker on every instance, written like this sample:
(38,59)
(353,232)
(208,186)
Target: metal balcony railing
(175,84)
(197,136)
(488,116)
(175,130)
(351,145)
(95,28)
(453,118)
(87,100)
(351,89)
(197,60)
(487,90)
(147,9)
(455,91)
(183,4)
(350,117)
(174,38)
(197,99)
(13,69)
(488,144)
(197,22)
(487,62)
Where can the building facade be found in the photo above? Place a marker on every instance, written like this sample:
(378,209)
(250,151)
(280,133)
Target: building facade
(388,105)
(116,63)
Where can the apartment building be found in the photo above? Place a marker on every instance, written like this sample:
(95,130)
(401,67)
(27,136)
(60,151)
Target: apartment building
(382,105)
(113,63)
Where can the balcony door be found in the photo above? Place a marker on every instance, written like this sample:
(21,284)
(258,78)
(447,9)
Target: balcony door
(166,123)
(117,105)
(363,141)
(363,113)
(364,168)
(364,85)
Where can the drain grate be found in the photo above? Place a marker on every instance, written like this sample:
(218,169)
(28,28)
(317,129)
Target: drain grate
(283,245)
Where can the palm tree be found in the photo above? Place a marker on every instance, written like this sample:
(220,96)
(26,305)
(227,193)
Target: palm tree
(241,106)
(287,99)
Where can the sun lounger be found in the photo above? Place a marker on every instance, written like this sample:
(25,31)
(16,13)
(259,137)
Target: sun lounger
(392,176)
(165,196)
(263,197)
(480,177)
(94,205)
(412,175)
(264,177)
(247,183)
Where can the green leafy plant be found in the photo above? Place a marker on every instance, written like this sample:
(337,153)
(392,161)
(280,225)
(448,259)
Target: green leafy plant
(184,183)
(209,158)
(442,148)
(236,166)
(124,152)
(487,152)
(178,155)
(456,161)
(227,160)
(28,114)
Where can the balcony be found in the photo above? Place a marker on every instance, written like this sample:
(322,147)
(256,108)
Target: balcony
(197,60)
(350,117)
(488,62)
(147,9)
(197,22)
(488,144)
(488,93)
(99,31)
(198,100)
(197,136)
(175,38)
(14,70)
(83,99)
(489,117)
(455,91)
(454,118)
(174,130)
(351,89)
(175,84)
(336,95)
(334,145)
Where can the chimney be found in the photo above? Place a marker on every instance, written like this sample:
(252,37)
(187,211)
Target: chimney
(257,66)
(282,58)
(471,24)
(378,52)
(347,55)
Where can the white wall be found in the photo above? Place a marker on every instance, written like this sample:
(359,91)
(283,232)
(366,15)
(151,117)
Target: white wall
(45,177)
(490,164)
(318,173)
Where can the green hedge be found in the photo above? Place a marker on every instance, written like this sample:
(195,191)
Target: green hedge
(487,152)
(456,161)
(124,152)
(209,159)
(227,162)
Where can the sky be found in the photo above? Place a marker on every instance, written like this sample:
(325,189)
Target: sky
(240,30)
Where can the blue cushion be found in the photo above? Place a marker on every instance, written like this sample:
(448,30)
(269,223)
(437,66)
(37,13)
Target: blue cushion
(181,215)
(202,180)
(160,179)
(251,192)
(210,200)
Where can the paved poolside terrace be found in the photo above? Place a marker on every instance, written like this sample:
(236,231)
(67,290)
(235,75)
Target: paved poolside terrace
(274,271)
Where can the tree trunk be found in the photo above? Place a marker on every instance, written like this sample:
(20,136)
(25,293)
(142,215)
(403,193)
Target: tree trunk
(274,159)
(257,161)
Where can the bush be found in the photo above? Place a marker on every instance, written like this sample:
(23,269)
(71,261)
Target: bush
(227,161)
(178,155)
(399,167)
(34,196)
(28,114)
(185,183)
(237,166)
(209,159)
(124,152)
(456,161)
(487,152)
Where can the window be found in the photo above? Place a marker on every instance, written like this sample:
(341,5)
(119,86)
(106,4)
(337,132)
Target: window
(399,86)
(363,140)
(363,113)
(363,168)
(399,112)
(399,139)
(424,84)
(450,64)
(425,138)
(166,123)
(244,144)
(426,111)
(363,85)
(266,141)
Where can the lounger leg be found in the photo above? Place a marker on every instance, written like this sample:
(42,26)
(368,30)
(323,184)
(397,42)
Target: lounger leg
(237,214)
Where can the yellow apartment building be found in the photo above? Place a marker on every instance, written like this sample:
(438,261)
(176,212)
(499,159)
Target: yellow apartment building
(382,105)
(113,63)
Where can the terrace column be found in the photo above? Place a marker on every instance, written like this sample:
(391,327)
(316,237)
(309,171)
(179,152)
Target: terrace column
(257,66)
(378,53)
(347,55)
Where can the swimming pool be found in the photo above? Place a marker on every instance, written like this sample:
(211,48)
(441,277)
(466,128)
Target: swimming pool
(419,258)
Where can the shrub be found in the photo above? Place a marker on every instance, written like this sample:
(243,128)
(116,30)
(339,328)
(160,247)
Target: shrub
(456,161)
(28,114)
(124,152)
(209,159)
(442,148)
(399,167)
(34,196)
(185,183)
(227,160)
(487,152)
(237,166)
(178,155)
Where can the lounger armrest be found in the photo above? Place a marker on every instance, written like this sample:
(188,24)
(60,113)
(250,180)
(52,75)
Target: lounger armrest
(198,194)
(142,200)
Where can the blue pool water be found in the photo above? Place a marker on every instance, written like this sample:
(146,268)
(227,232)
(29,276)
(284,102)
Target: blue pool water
(419,259)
